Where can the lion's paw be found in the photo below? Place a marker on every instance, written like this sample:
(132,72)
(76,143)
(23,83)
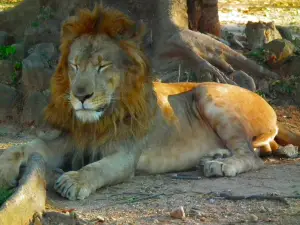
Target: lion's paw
(9,173)
(218,168)
(71,186)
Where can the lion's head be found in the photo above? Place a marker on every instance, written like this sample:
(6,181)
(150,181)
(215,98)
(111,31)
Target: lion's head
(102,81)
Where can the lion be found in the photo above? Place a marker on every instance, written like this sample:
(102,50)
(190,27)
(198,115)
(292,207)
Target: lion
(109,120)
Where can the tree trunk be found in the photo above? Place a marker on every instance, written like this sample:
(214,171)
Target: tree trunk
(203,16)
(169,42)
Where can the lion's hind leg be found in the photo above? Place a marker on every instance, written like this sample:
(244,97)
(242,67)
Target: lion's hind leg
(232,133)
(265,144)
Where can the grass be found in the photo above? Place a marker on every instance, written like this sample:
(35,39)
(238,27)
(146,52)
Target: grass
(5,194)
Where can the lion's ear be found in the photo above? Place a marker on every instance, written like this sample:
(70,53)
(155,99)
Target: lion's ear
(128,30)
(67,31)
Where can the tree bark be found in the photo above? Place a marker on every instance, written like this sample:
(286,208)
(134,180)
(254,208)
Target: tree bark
(168,43)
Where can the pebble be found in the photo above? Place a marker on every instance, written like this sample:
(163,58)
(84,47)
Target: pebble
(178,213)
(263,209)
(100,219)
(253,218)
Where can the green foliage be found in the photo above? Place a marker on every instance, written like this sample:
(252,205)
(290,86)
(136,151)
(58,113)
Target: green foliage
(5,194)
(6,52)
(45,14)
(259,55)
(261,93)
(286,86)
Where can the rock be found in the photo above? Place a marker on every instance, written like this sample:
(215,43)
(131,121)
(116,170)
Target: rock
(253,218)
(36,73)
(100,219)
(285,33)
(6,71)
(47,50)
(8,99)
(296,96)
(178,213)
(48,31)
(280,50)
(33,108)
(288,151)
(243,80)
(291,67)
(264,86)
(19,55)
(6,39)
(260,33)
(195,213)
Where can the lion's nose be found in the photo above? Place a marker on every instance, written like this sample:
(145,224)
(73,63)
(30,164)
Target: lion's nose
(83,97)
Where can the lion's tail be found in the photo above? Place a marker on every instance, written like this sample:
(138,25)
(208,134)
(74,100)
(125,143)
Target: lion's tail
(286,136)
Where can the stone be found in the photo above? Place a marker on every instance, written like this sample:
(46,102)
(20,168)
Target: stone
(285,33)
(6,39)
(296,96)
(178,213)
(36,73)
(291,67)
(6,71)
(42,32)
(253,218)
(47,50)
(260,33)
(263,86)
(280,50)
(288,151)
(8,98)
(20,53)
(33,110)
(243,80)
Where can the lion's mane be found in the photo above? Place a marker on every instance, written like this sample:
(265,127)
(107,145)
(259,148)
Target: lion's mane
(134,112)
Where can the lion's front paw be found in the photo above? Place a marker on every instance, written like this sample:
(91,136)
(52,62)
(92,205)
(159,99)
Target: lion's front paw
(218,168)
(71,185)
(9,174)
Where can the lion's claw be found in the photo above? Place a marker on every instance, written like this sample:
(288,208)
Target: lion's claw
(70,186)
(219,168)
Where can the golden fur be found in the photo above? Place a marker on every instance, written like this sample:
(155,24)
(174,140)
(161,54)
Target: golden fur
(110,120)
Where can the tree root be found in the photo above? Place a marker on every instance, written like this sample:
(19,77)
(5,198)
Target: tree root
(204,53)
(258,197)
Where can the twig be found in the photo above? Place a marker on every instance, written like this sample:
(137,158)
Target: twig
(257,197)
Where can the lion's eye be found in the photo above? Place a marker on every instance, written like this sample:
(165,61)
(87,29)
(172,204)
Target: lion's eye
(74,66)
(102,67)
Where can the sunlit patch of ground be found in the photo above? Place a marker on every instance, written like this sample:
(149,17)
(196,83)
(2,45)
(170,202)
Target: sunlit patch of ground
(8,4)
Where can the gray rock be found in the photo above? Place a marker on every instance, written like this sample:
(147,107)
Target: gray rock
(36,73)
(47,50)
(243,80)
(44,32)
(6,71)
(291,67)
(8,98)
(34,107)
(6,39)
(282,50)
(263,86)
(260,33)
(288,151)
(285,33)
(19,55)
(296,97)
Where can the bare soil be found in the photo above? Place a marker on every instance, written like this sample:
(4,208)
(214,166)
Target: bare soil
(150,199)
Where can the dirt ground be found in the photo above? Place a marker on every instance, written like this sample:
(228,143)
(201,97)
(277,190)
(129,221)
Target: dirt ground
(150,199)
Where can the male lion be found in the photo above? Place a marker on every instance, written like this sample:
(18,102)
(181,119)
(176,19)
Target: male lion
(112,120)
